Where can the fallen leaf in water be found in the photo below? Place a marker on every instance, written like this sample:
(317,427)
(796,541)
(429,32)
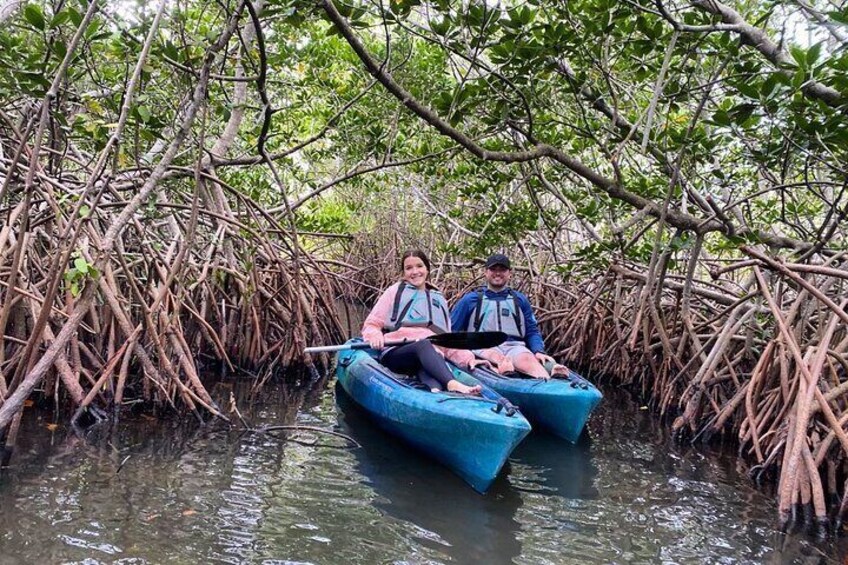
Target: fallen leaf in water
(28,403)
(189,512)
(52,427)
(151,517)
(643,408)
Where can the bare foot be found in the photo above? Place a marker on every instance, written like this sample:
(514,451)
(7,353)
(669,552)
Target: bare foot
(456,386)
(560,370)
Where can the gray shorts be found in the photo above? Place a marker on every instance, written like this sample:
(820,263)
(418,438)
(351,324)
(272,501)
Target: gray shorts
(513,349)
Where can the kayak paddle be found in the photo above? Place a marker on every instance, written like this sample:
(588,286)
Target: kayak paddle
(452,340)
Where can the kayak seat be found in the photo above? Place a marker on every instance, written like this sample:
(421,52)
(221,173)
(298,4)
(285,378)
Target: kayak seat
(411,381)
(406,380)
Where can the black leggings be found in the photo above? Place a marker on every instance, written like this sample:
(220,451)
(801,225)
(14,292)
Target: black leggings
(419,359)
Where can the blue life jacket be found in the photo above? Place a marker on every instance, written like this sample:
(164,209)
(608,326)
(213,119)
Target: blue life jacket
(500,314)
(419,308)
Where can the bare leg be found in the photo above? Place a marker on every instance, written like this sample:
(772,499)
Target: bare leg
(528,364)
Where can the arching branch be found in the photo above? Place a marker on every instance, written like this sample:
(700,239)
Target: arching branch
(676,218)
(759,40)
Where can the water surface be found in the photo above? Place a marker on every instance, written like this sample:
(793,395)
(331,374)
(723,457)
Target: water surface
(153,492)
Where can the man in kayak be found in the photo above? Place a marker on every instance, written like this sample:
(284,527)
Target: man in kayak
(497,307)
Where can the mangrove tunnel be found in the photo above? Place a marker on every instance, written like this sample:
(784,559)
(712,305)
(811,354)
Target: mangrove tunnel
(191,189)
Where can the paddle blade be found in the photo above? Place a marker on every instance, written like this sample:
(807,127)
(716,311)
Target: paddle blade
(468,340)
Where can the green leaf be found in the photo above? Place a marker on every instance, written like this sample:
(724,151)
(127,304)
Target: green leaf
(34,16)
(526,15)
(771,86)
(741,112)
(60,48)
(476,14)
(344,9)
(440,27)
(749,89)
(799,78)
(813,54)
(170,51)
(841,17)
(81,265)
(92,28)
(99,36)
(721,118)
(36,78)
(75,16)
(144,113)
(60,18)
(799,55)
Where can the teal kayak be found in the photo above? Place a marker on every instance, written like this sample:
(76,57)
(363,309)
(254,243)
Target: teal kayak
(560,405)
(471,435)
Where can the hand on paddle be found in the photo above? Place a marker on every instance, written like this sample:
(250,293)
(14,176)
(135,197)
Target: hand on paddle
(377,342)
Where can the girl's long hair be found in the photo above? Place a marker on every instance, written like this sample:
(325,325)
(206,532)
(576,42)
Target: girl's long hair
(415,253)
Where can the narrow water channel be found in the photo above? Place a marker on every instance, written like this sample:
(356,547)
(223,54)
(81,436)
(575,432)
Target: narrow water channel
(147,492)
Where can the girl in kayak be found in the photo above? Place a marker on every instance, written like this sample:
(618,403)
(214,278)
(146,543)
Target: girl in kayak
(415,309)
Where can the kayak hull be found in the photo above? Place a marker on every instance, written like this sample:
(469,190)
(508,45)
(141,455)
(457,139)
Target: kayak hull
(473,436)
(560,406)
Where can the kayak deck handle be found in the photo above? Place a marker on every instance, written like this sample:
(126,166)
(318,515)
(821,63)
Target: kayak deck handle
(503,403)
(499,405)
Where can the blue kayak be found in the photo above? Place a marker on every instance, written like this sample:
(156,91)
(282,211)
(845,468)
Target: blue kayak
(560,405)
(471,435)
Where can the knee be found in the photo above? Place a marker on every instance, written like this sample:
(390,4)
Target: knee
(524,360)
(424,349)
(423,346)
(527,363)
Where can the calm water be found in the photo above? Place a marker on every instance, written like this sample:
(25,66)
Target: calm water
(185,495)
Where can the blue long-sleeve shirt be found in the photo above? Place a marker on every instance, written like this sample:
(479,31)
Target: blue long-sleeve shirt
(462,311)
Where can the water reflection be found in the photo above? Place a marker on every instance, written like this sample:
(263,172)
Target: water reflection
(190,494)
(440,509)
(549,465)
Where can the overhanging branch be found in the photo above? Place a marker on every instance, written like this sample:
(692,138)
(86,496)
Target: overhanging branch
(676,218)
(759,40)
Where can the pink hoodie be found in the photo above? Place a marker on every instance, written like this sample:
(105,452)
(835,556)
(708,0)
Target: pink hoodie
(379,316)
